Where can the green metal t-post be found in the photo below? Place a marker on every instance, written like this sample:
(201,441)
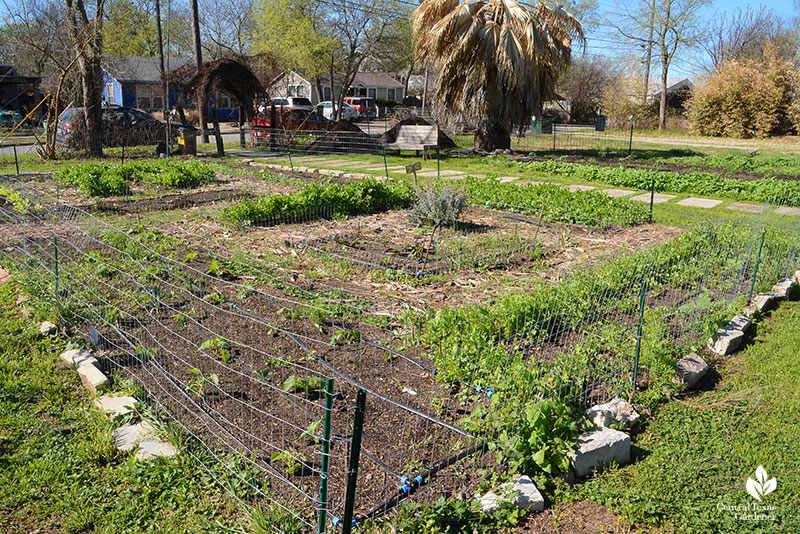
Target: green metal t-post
(16,159)
(326,448)
(758,262)
(55,270)
(652,196)
(642,295)
(352,466)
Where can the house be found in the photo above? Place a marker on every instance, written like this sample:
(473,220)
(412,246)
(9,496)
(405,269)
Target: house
(136,82)
(370,84)
(18,93)
(678,91)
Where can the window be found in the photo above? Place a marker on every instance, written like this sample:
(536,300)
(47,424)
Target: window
(148,96)
(290,90)
(372,93)
(110,94)
(301,90)
(327,91)
(223,101)
(390,94)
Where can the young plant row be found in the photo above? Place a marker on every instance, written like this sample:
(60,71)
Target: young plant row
(336,200)
(556,204)
(104,179)
(698,183)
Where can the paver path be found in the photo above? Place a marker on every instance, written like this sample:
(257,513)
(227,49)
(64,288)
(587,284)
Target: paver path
(699,202)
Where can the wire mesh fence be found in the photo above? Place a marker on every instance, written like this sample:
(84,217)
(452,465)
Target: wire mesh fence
(329,411)
(574,139)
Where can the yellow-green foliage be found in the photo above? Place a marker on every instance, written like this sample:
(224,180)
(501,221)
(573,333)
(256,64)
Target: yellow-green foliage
(746,99)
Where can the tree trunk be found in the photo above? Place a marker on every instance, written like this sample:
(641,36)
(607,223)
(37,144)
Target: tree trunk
(662,108)
(91,76)
(492,138)
(335,107)
(649,56)
(405,84)
(318,85)
(162,71)
(198,58)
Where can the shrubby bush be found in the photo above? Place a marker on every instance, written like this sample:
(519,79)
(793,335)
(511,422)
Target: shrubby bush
(753,98)
(440,207)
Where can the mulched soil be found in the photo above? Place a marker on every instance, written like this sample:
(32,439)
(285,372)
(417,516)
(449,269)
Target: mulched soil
(579,517)
(166,202)
(680,168)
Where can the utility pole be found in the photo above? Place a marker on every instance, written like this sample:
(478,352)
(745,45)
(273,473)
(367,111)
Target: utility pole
(649,55)
(198,57)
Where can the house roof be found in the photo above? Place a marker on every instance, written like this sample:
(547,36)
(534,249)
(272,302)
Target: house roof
(673,84)
(138,69)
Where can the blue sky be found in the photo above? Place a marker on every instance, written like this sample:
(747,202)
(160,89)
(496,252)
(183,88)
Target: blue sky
(606,43)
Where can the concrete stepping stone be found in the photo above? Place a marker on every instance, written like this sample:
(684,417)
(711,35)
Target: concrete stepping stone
(93,378)
(155,450)
(475,175)
(440,173)
(575,187)
(696,202)
(783,210)
(333,162)
(691,369)
(658,198)
(520,492)
(749,208)
(507,179)
(77,358)
(116,406)
(339,163)
(48,329)
(375,168)
(615,412)
(600,447)
(617,193)
(127,437)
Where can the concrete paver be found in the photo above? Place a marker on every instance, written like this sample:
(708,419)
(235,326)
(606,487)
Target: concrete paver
(657,198)
(696,202)
(617,193)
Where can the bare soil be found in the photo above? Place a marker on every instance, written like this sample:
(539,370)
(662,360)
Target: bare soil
(579,517)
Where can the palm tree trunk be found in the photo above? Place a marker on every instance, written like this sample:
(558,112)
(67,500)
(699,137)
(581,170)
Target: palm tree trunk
(492,138)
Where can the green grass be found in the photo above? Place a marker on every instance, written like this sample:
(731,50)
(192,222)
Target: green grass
(103,179)
(59,469)
(696,454)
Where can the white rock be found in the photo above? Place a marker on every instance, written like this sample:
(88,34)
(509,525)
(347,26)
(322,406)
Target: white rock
(115,405)
(127,437)
(600,447)
(93,379)
(691,369)
(47,328)
(729,338)
(520,492)
(797,276)
(763,301)
(616,412)
(149,450)
(784,288)
(77,358)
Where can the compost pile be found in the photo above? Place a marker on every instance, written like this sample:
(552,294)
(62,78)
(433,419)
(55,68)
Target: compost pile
(344,137)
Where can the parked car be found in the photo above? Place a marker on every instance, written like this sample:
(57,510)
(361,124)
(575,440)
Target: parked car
(367,109)
(122,126)
(348,112)
(289,119)
(293,102)
(9,118)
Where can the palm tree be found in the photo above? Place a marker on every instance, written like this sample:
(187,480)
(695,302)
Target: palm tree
(499,60)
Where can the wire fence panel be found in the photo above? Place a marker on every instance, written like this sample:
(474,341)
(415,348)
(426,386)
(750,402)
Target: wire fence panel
(239,366)
(573,139)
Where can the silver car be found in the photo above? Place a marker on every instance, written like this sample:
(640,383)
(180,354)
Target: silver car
(348,112)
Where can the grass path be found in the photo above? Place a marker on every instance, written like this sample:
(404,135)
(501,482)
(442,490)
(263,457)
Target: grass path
(59,470)
(697,452)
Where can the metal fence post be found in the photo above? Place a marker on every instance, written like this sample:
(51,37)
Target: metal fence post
(326,448)
(385,165)
(758,262)
(16,160)
(554,136)
(55,269)
(652,197)
(642,295)
(630,141)
(352,466)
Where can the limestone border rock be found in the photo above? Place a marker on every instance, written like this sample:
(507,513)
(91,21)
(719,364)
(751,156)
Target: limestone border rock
(520,492)
(93,379)
(600,447)
(691,369)
(615,412)
(77,358)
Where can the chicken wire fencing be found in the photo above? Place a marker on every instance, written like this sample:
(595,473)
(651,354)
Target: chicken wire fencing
(325,414)
(549,137)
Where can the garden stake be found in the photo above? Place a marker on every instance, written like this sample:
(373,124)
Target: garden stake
(630,141)
(326,447)
(289,152)
(652,196)
(755,271)
(16,161)
(438,167)
(639,334)
(55,261)
(385,165)
(554,136)
(352,466)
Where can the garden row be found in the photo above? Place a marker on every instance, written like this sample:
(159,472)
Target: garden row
(103,180)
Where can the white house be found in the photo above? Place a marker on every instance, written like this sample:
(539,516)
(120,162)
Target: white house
(369,84)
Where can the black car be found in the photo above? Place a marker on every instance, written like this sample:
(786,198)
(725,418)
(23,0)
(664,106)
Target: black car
(122,126)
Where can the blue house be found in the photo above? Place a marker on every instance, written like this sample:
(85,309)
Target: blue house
(136,82)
